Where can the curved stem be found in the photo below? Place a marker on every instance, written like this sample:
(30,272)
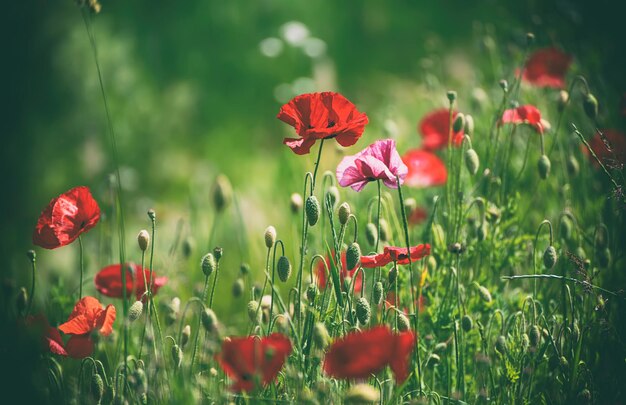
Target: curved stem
(82,267)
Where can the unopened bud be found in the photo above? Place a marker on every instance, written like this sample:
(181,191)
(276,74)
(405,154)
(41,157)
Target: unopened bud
(534,336)
(270,236)
(403,323)
(253,312)
(549,257)
(501,345)
(238,287)
(371,233)
(332,194)
(143,240)
(32,256)
(451,96)
(393,274)
(284,269)
(565,228)
(385,232)
(439,237)
(484,294)
(209,320)
(218,252)
(467,323)
(344,213)
(544,166)
(362,394)
(363,311)
(562,100)
(295,202)
(135,311)
(469,125)
(21,300)
(97,387)
(311,292)
(590,105)
(353,255)
(244,269)
(152,214)
(321,338)
(472,162)
(222,193)
(177,356)
(459,122)
(208,264)
(530,38)
(312,208)
(188,247)
(504,85)
(184,337)
(378,293)
(441,347)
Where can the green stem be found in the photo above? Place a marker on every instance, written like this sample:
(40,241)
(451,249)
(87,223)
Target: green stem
(195,343)
(82,268)
(32,288)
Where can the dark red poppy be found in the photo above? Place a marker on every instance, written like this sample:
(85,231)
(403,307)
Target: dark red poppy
(417,216)
(360,354)
(252,361)
(526,114)
(87,317)
(435,130)
(547,68)
(613,152)
(425,169)
(66,218)
(322,116)
(108,281)
(395,254)
(320,274)
(51,338)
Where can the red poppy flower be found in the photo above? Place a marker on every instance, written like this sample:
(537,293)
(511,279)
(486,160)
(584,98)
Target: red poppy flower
(614,151)
(547,68)
(109,281)
(251,360)
(51,338)
(322,116)
(435,129)
(425,169)
(345,273)
(395,254)
(66,218)
(87,317)
(526,114)
(417,216)
(360,354)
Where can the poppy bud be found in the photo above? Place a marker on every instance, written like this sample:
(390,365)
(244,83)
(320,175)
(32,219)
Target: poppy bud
(321,338)
(393,274)
(575,332)
(32,256)
(562,100)
(244,269)
(403,323)
(188,247)
(139,381)
(311,292)
(481,232)
(283,268)
(544,166)
(21,300)
(378,292)
(209,320)
(530,38)
(484,294)
(218,252)
(222,193)
(471,161)
(363,311)
(184,337)
(504,85)
(295,202)
(371,233)
(604,257)
(459,122)
(312,208)
(177,356)
(451,96)
(270,236)
(580,252)
(152,214)
(441,347)
(97,387)
(469,125)
(549,257)
(410,204)
(253,312)
(501,345)
(439,237)
(332,194)
(431,264)
(535,336)
(143,240)
(344,213)
(385,232)
(135,311)
(565,228)
(563,363)
(433,360)
(238,287)
(353,255)
(525,341)
(208,264)
(467,323)
(590,105)
(573,168)
(362,394)
(584,396)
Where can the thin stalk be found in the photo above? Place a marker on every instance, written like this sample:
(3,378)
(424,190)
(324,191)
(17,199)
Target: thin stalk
(32,287)
(557,277)
(82,268)
(195,343)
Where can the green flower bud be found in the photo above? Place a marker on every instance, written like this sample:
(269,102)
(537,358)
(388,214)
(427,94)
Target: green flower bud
(222,193)
(562,100)
(152,215)
(244,269)
(238,287)
(353,255)
(253,312)
(467,323)
(208,264)
(565,228)
(295,202)
(363,311)
(378,293)
(184,337)
(534,336)
(501,345)
(311,292)
(362,394)
(209,320)
(177,356)
(188,247)
(484,294)
(433,360)
(32,256)
(385,232)
(549,257)
(270,236)
(344,213)
(504,85)
(441,347)
(283,268)
(135,311)
(563,363)
(393,275)
(544,166)
(312,208)
(459,123)
(97,387)
(469,124)
(590,105)
(451,95)
(439,237)
(371,233)
(333,195)
(218,252)
(321,338)
(143,240)
(573,168)
(471,161)
(403,323)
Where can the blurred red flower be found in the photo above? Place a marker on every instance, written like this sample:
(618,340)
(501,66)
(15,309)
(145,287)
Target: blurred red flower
(360,354)
(50,337)
(435,130)
(547,68)
(417,216)
(525,114)
(425,169)
(108,281)
(614,152)
(320,273)
(65,218)
(252,361)
(322,116)
(87,317)
(395,254)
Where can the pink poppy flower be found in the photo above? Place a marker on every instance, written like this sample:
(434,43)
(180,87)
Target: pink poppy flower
(547,68)
(425,169)
(525,114)
(379,161)
(435,129)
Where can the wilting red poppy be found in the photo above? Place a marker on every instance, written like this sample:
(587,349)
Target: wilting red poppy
(425,169)
(87,317)
(360,354)
(379,161)
(322,116)
(50,336)
(345,273)
(395,254)
(614,152)
(109,281)
(435,130)
(66,218)
(251,361)
(525,114)
(547,68)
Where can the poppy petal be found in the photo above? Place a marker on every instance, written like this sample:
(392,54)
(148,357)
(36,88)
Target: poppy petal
(79,346)
(77,325)
(105,320)
(425,169)
(399,363)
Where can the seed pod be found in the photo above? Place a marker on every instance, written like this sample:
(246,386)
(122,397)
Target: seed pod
(344,213)
(283,267)
(467,323)
(371,233)
(135,311)
(311,292)
(253,312)
(209,320)
(208,264)
(97,387)
(471,161)
(604,257)
(363,311)
(353,255)
(321,338)
(590,105)
(534,336)
(21,300)
(433,360)
(451,94)
(312,208)
(484,294)
(222,193)
(143,240)
(544,166)
(362,394)
(152,214)
(501,345)
(385,232)
(504,85)
(218,252)
(238,287)
(403,323)
(459,122)
(469,125)
(549,257)
(177,356)
(270,236)
(184,337)
(333,195)
(378,293)
(32,256)
(573,168)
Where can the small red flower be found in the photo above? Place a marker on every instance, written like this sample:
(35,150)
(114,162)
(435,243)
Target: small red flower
(108,281)
(614,151)
(360,354)
(417,216)
(547,68)
(425,169)
(435,130)
(66,218)
(320,274)
(322,116)
(526,114)
(252,360)
(51,338)
(395,254)
(87,317)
